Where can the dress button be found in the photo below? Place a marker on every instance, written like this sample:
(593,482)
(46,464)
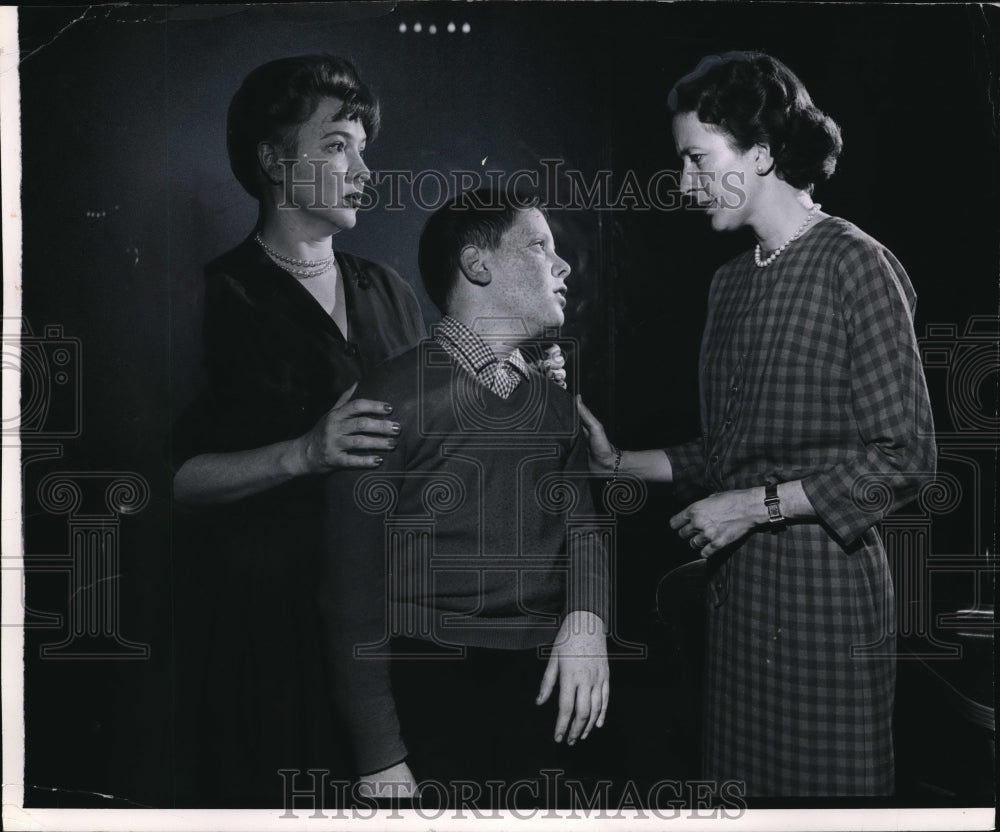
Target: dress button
(734,389)
(714,459)
(351,349)
(728,423)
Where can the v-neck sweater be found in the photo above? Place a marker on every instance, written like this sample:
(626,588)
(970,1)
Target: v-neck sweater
(478,530)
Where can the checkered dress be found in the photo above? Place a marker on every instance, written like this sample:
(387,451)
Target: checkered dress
(809,370)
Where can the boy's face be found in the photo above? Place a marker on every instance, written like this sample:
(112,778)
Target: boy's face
(529,278)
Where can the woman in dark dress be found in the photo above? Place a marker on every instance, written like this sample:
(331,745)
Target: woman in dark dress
(290,327)
(815,424)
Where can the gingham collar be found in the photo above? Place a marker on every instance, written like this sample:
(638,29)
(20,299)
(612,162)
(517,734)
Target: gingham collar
(472,352)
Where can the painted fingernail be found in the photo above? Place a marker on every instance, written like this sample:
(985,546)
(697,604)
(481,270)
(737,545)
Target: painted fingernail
(379,460)
(392,443)
(396,427)
(571,742)
(559,737)
(387,408)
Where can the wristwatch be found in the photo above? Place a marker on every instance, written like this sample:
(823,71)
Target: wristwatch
(774,515)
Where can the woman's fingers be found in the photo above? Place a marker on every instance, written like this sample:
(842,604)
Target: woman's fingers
(358,417)
(601,451)
(365,424)
(345,396)
(685,526)
(358,407)
(362,442)
(589,419)
(356,461)
(352,442)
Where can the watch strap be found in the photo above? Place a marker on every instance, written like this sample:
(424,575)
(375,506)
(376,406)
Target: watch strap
(773,505)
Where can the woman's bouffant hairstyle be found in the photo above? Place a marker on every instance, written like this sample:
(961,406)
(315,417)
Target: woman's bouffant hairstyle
(474,218)
(279,96)
(755,99)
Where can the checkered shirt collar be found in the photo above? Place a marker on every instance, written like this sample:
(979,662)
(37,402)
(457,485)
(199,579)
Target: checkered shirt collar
(474,354)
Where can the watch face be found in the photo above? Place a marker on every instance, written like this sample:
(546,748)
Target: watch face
(774,513)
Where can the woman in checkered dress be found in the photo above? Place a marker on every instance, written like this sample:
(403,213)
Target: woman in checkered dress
(815,424)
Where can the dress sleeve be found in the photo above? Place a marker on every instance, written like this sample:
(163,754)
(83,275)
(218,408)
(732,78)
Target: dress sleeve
(687,461)
(890,404)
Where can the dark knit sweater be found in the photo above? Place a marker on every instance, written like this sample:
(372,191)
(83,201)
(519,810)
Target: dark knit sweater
(477,530)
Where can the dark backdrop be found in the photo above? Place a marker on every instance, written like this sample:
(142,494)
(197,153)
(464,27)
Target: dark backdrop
(127,193)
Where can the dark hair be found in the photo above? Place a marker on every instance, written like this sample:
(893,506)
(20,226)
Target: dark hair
(478,218)
(280,95)
(755,99)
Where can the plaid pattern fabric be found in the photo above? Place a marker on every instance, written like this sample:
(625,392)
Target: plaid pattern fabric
(809,370)
(471,352)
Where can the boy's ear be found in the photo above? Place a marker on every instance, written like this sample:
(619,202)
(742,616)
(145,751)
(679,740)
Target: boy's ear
(473,266)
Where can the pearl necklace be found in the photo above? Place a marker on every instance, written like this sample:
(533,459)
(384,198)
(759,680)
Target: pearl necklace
(774,254)
(300,268)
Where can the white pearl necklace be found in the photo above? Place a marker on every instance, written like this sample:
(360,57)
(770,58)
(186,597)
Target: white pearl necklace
(774,254)
(299,268)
